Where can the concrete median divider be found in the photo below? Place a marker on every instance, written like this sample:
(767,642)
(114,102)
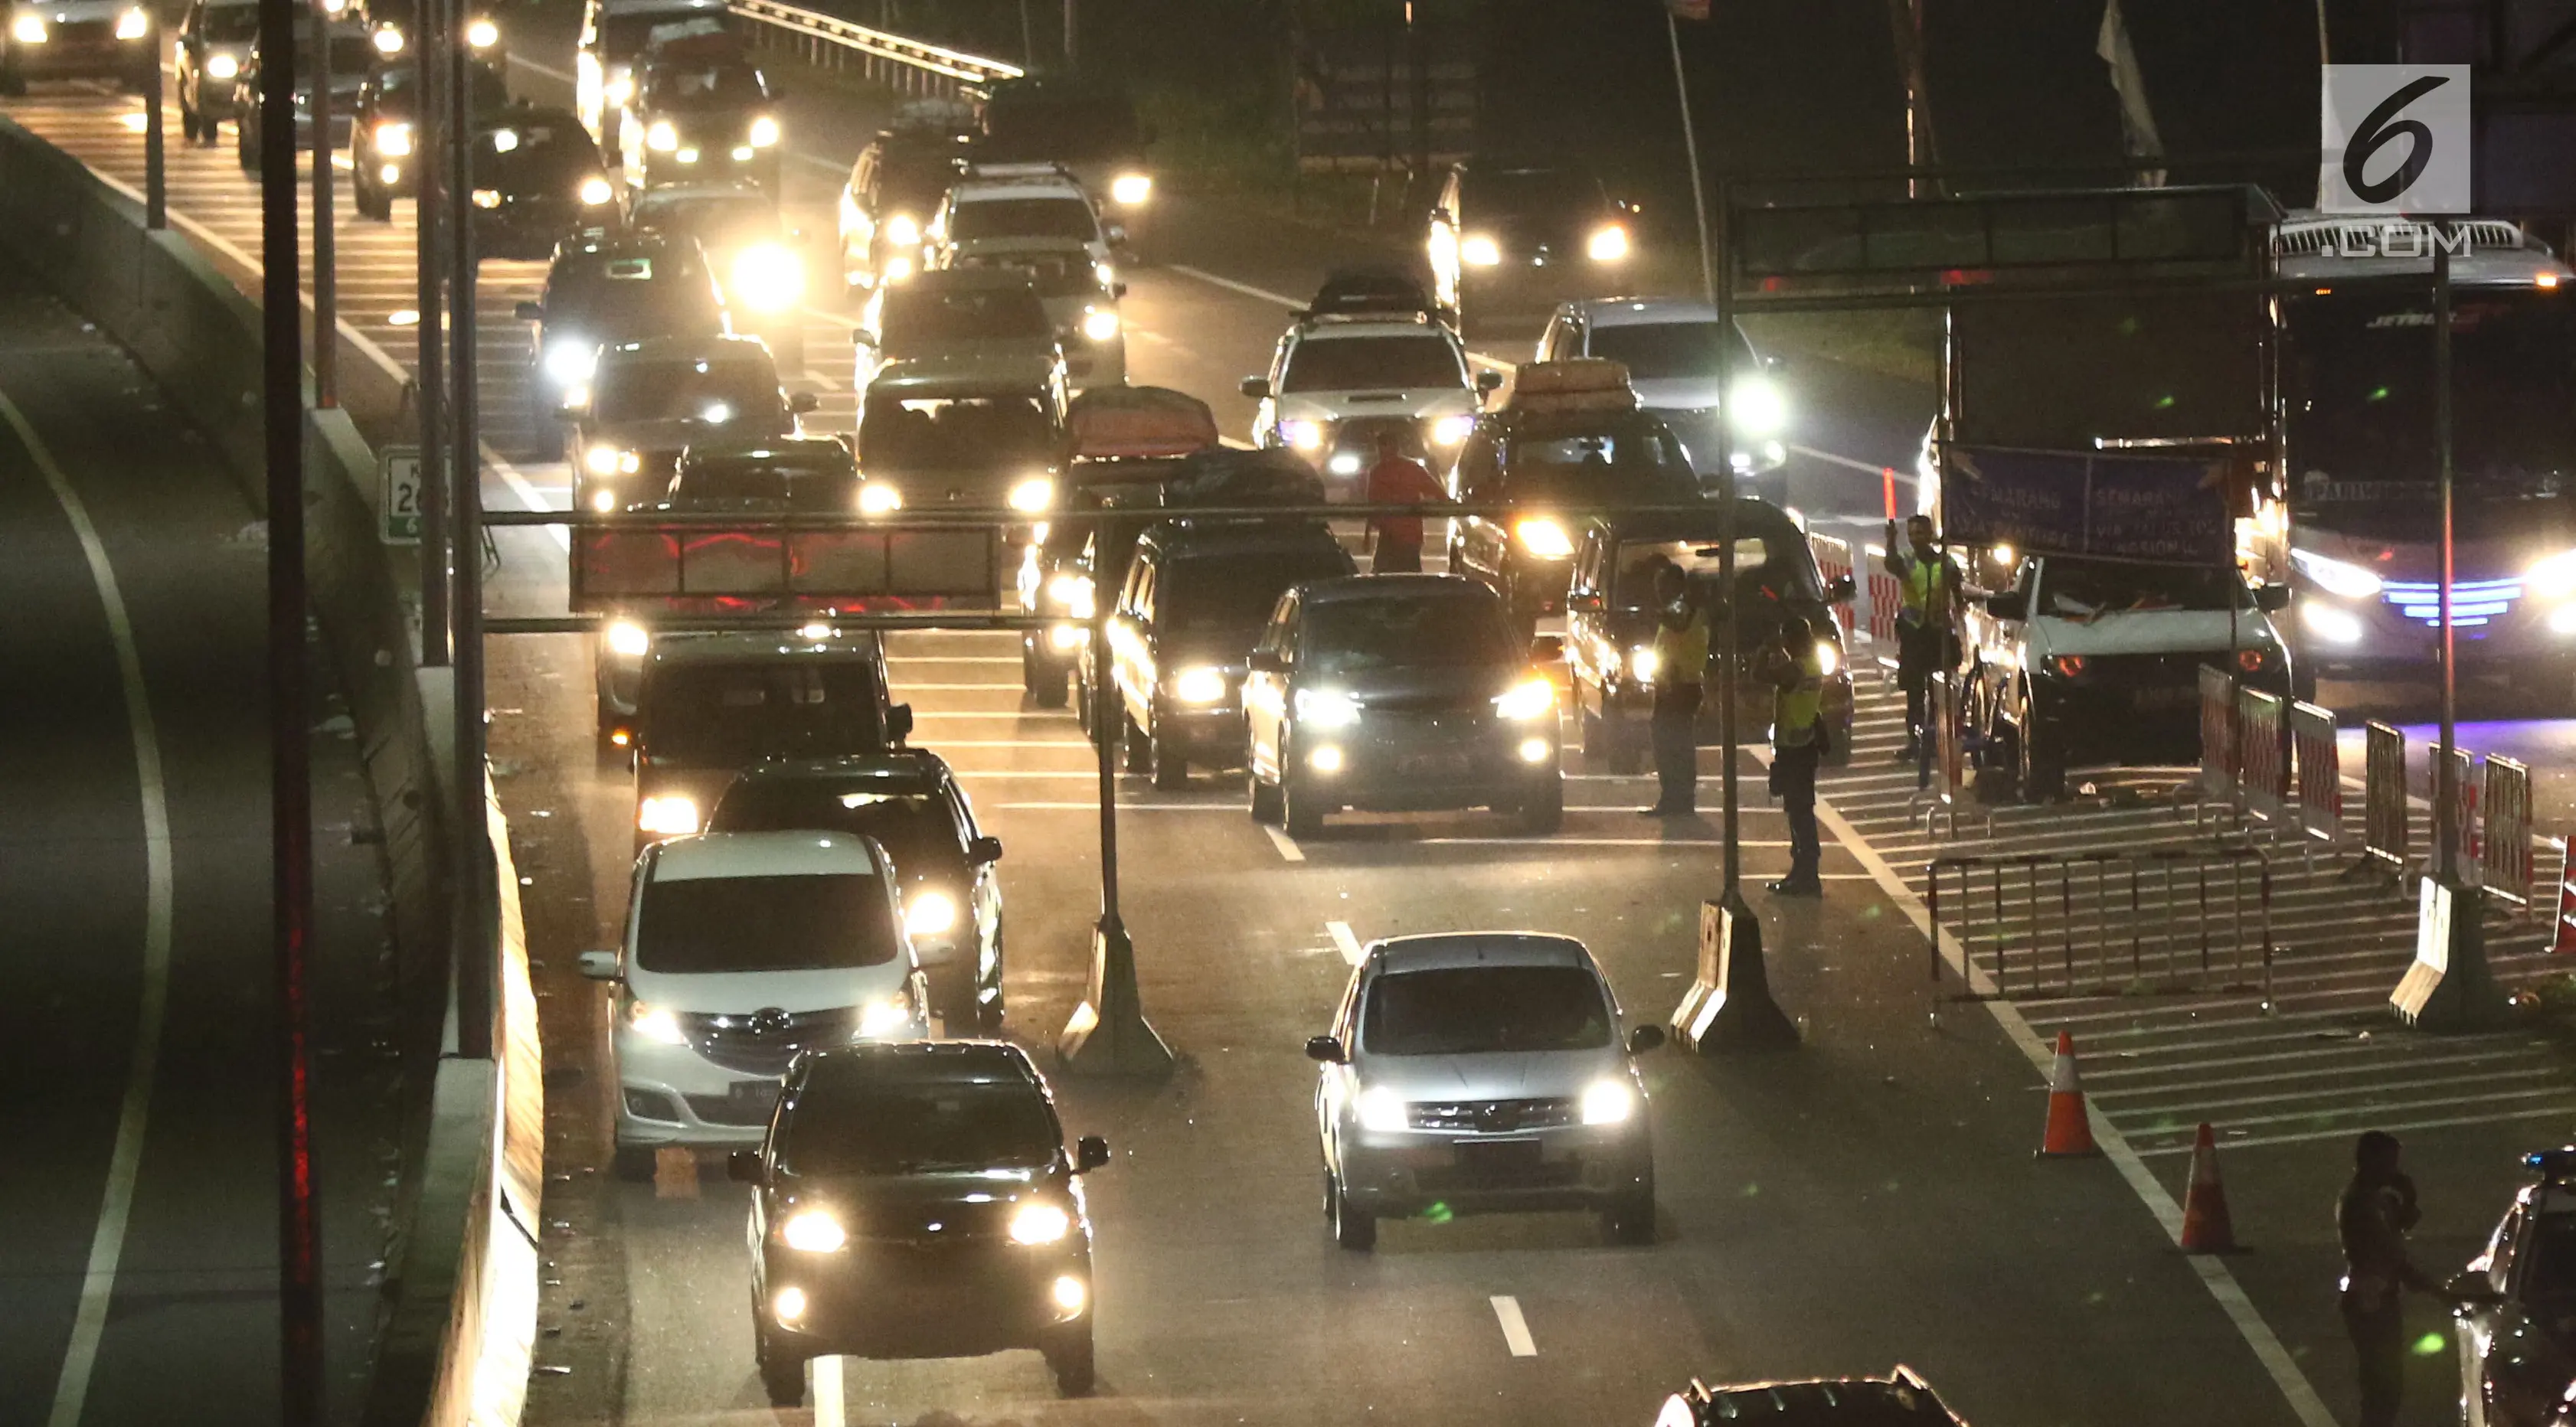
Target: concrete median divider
(460,1301)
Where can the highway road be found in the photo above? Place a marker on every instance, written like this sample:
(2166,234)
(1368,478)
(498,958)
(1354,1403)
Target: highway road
(1871,1199)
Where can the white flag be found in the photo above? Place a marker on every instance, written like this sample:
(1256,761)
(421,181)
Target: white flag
(2137,121)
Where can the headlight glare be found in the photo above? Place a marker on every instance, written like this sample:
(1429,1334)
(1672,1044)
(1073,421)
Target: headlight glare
(133,25)
(1828,658)
(601,460)
(661,137)
(813,1231)
(1033,495)
(1544,538)
(28,30)
(2555,577)
(393,139)
(1199,686)
(885,1016)
(655,1023)
(2336,577)
(1608,1102)
(1760,410)
(222,66)
(1382,1110)
(1040,1223)
(1529,699)
(764,132)
(768,278)
(668,815)
(487,198)
(1643,661)
(878,498)
(481,33)
(1479,250)
(595,191)
(902,231)
(1131,189)
(1450,430)
(2342,626)
(629,640)
(1322,708)
(1302,435)
(1099,324)
(571,362)
(1608,244)
(388,41)
(930,913)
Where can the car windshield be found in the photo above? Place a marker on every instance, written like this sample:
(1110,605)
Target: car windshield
(1628,459)
(735,712)
(2085,590)
(715,84)
(2548,1260)
(1446,631)
(1235,591)
(623,36)
(766,485)
(1475,1010)
(1053,216)
(1350,363)
(1791,578)
(716,392)
(843,1126)
(626,298)
(973,433)
(1655,350)
(351,56)
(231,24)
(920,316)
(1069,273)
(526,156)
(697,926)
(1068,127)
(725,220)
(918,830)
(1541,193)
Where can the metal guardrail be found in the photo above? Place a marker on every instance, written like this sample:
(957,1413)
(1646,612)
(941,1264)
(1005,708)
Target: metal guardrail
(2504,855)
(2110,923)
(2317,764)
(908,66)
(2217,780)
(2383,797)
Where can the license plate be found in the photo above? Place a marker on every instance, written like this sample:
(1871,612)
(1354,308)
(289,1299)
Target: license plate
(1432,765)
(1500,1156)
(761,1095)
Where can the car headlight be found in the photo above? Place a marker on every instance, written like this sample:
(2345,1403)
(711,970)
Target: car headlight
(1099,324)
(1544,538)
(1199,686)
(1450,430)
(1760,410)
(1479,250)
(388,41)
(655,1023)
(1608,244)
(1609,1102)
(878,498)
(764,132)
(1325,709)
(768,278)
(930,913)
(621,89)
(1066,590)
(903,230)
(2555,577)
(660,137)
(393,139)
(1040,1223)
(1529,699)
(133,25)
(629,640)
(885,1016)
(222,66)
(1382,1110)
(1643,661)
(569,363)
(28,30)
(1032,495)
(2336,577)
(481,33)
(487,198)
(604,460)
(668,815)
(1130,189)
(813,1231)
(1302,435)
(595,191)
(2342,626)
(1829,659)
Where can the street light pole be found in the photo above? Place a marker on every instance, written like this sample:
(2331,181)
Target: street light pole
(1108,1033)
(428,160)
(2446,789)
(478,947)
(156,182)
(1690,148)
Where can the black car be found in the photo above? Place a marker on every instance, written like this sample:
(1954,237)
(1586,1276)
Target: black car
(2517,1306)
(915,1200)
(898,179)
(605,289)
(1900,1399)
(648,401)
(792,475)
(758,260)
(908,801)
(1514,236)
(352,55)
(215,41)
(1195,599)
(702,113)
(385,131)
(537,181)
(1399,692)
(1087,127)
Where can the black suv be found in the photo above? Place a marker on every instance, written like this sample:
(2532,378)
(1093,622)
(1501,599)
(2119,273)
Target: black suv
(385,134)
(1514,236)
(537,181)
(605,289)
(793,475)
(1196,597)
(908,801)
(915,1200)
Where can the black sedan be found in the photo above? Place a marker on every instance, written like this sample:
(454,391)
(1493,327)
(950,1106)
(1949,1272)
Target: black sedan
(2517,1307)
(536,180)
(385,135)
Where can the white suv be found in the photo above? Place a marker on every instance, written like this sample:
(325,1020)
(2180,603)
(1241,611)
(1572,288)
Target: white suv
(1670,347)
(1336,383)
(741,950)
(1025,201)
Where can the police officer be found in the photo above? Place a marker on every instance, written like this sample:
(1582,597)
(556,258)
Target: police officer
(1681,664)
(1926,624)
(1794,665)
(2371,1220)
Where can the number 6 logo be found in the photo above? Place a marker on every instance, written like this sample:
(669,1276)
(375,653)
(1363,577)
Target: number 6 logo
(2418,114)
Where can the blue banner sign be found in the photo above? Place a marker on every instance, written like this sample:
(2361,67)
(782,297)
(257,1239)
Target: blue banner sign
(2082,503)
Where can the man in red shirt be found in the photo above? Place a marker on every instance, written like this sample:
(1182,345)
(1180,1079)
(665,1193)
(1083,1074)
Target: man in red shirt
(1398,479)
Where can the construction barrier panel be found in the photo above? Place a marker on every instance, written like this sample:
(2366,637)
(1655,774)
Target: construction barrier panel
(2317,764)
(2383,796)
(2463,813)
(2263,773)
(2504,857)
(1834,562)
(1886,596)
(2108,923)
(2217,735)
(2562,936)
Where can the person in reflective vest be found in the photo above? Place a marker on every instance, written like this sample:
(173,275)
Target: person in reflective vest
(1794,664)
(1681,665)
(1927,638)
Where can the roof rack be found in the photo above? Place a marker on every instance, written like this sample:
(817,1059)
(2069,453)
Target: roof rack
(1019,171)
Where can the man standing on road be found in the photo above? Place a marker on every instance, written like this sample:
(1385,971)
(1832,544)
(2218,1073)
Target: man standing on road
(1927,638)
(1681,663)
(1798,743)
(1398,479)
(2371,1219)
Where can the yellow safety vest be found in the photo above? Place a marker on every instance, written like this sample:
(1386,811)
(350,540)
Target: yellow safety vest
(1681,655)
(1924,579)
(1798,706)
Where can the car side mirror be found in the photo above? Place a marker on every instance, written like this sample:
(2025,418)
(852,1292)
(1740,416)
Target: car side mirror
(599,965)
(1116,233)
(1547,649)
(1264,661)
(2272,599)
(1089,1153)
(1326,1050)
(530,311)
(898,723)
(743,1166)
(804,403)
(1489,381)
(1258,388)
(2011,604)
(1584,602)
(1839,590)
(984,851)
(1642,1039)
(2471,1289)
(1118,290)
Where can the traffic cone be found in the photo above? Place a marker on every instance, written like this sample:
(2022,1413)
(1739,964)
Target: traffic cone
(2069,1131)
(2206,1228)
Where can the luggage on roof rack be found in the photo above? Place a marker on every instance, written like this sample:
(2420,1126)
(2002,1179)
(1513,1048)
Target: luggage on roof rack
(1222,476)
(1131,423)
(1580,384)
(1374,292)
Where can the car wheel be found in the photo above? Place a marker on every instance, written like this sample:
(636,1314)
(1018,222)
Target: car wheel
(1630,1219)
(633,1163)
(2043,769)
(1543,812)
(1171,767)
(1266,802)
(1354,1228)
(1042,677)
(1068,1353)
(1298,809)
(782,1373)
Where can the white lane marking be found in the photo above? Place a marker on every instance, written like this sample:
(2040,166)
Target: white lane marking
(2214,1273)
(549,71)
(125,1159)
(831,1396)
(2346,1132)
(528,495)
(1230,285)
(1516,1334)
(1343,938)
(1288,848)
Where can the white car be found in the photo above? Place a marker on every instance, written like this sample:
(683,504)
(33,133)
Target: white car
(1336,383)
(1038,200)
(741,950)
(1670,347)
(1483,1072)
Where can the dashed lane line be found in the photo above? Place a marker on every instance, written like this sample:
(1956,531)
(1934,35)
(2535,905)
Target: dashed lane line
(1516,1333)
(1288,848)
(1344,941)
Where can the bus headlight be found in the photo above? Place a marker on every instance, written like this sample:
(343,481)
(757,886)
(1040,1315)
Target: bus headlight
(2336,577)
(2555,577)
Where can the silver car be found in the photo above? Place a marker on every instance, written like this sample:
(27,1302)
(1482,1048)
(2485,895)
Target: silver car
(1480,1072)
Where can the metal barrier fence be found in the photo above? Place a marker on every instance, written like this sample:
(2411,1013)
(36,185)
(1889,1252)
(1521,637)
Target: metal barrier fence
(2504,858)
(1834,561)
(1886,595)
(2317,763)
(2383,797)
(1949,786)
(2217,736)
(907,66)
(2262,773)
(2463,813)
(2562,936)
(2109,923)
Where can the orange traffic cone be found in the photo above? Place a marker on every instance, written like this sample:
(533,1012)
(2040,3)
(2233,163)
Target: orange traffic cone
(2069,1131)
(2206,1228)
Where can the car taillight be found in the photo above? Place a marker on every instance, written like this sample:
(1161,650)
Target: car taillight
(2252,661)
(2070,665)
